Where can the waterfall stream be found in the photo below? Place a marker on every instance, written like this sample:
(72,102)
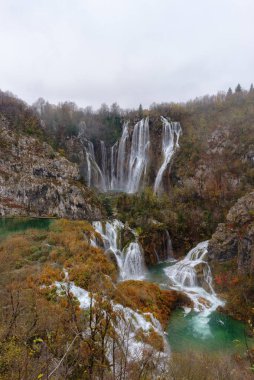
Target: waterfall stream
(192,275)
(170,138)
(203,327)
(122,164)
(123,167)
(130,260)
(138,155)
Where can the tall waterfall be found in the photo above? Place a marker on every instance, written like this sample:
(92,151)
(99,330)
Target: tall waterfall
(139,155)
(192,275)
(128,166)
(170,138)
(123,166)
(130,260)
(122,159)
(104,163)
(94,176)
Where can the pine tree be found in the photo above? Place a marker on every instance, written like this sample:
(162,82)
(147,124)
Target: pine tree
(230,92)
(140,111)
(238,88)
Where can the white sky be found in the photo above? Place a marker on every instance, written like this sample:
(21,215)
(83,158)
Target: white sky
(129,51)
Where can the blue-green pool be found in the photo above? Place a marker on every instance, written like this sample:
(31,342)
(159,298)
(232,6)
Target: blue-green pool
(199,332)
(12,225)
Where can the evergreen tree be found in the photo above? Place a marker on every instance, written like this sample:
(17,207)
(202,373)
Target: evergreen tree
(140,111)
(230,92)
(238,88)
(251,88)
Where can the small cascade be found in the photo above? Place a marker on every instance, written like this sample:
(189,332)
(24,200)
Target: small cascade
(192,275)
(170,138)
(134,265)
(138,155)
(169,246)
(130,260)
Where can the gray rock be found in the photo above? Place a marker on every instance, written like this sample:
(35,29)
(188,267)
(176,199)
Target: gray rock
(235,238)
(36,181)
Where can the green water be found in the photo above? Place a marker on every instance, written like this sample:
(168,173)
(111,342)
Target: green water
(12,225)
(216,332)
(194,331)
(156,274)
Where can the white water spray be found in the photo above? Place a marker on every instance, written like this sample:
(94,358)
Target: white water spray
(138,155)
(130,260)
(187,275)
(170,138)
(122,159)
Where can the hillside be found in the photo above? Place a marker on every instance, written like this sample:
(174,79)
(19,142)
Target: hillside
(35,180)
(160,254)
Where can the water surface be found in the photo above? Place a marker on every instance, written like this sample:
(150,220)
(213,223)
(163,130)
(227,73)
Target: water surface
(12,225)
(189,330)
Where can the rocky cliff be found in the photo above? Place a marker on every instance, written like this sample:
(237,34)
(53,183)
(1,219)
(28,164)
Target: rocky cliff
(235,238)
(231,254)
(37,181)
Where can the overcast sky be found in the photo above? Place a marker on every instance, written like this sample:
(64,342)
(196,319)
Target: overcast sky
(128,51)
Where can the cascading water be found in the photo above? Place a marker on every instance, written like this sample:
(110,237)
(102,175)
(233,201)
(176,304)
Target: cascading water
(104,163)
(126,167)
(170,138)
(139,155)
(133,265)
(122,159)
(192,275)
(113,157)
(130,260)
(95,176)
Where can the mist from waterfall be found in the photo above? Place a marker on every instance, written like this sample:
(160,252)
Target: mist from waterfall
(170,141)
(129,259)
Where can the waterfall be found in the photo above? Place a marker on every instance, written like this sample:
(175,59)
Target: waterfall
(170,138)
(134,265)
(95,176)
(125,169)
(104,163)
(169,246)
(89,174)
(122,158)
(138,155)
(128,166)
(192,275)
(130,260)
(113,156)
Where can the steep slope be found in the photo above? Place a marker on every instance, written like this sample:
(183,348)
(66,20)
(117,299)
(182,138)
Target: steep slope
(231,253)
(37,181)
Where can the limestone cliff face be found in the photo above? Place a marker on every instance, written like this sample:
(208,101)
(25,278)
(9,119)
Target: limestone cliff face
(37,181)
(235,238)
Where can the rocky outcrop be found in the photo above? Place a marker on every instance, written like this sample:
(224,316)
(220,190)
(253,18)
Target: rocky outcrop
(235,238)
(157,246)
(37,181)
